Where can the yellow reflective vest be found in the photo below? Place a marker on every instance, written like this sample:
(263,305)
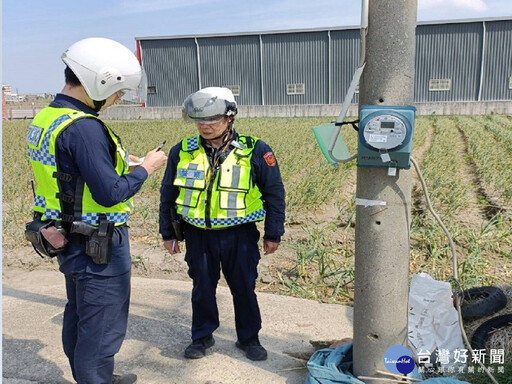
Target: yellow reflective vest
(227,197)
(42,145)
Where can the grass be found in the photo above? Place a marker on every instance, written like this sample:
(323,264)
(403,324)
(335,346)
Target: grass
(483,243)
(320,198)
(489,152)
(320,202)
(323,270)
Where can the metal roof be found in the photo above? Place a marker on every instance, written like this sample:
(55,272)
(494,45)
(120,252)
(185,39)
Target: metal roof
(317,29)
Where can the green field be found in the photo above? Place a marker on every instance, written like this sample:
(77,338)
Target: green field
(466,162)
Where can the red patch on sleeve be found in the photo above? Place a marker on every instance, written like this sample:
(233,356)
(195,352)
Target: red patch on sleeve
(270,159)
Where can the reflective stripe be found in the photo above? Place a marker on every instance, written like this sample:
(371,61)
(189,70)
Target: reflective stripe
(255,216)
(116,217)
(231,213)
(40,201)
(232,200)
(192,143)
(232,204)
(51,214)
(235,178)
(42,139)
(42,154)
(91,218)
(188,197)
(192,175)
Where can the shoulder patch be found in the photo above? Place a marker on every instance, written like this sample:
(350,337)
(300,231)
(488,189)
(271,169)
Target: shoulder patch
(34,134)
(270,159)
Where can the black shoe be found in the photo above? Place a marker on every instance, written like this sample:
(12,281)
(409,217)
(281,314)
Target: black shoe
(129,378)
(253,349)
(197,348)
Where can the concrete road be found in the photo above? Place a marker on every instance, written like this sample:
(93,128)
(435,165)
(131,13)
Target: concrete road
(158,332)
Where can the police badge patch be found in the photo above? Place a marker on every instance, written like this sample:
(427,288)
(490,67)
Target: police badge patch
(34,134)
(270,159)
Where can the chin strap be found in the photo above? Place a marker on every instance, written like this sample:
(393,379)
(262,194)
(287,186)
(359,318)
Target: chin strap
(98,104)
(226,135)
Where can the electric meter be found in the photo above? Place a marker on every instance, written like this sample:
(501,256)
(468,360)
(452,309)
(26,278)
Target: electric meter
(385,136)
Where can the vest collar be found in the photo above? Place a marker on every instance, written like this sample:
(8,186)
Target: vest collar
(193,143)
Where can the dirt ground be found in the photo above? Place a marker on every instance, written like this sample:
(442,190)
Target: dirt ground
(153,261)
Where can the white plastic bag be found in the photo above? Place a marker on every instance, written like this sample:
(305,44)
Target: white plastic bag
(433,321)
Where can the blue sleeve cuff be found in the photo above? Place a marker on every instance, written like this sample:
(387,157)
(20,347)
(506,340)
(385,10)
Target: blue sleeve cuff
(274,239)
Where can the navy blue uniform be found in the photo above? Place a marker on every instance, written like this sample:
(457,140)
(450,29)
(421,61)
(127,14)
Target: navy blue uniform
(233,249)
(96,314)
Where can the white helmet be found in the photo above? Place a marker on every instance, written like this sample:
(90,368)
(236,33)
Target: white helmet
(104,67)
(209,102)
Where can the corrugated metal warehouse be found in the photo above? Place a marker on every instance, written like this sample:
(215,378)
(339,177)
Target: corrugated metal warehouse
(468,60)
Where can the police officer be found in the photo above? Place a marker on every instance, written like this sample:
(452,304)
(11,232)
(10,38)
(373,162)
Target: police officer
(83,178)
(220,183)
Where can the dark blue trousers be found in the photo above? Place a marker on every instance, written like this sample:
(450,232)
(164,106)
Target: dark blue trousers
(235,250)
(94,325)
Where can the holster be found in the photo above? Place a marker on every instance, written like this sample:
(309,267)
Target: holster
(99,244)
(47,237)
(177,225)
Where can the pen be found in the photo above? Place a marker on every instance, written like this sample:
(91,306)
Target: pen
(160,146)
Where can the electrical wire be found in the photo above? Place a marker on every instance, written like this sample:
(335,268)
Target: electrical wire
(436,216)
(352,87)
(454,259)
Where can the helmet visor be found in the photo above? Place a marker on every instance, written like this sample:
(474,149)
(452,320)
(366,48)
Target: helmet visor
(209,120)
(202,106)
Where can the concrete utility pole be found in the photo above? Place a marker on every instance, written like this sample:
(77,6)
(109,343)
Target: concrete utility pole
(382,232)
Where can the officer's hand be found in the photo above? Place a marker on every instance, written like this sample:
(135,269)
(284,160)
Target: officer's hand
(269,247)
(172,246)
(134,162)
(154,160)
(134,159)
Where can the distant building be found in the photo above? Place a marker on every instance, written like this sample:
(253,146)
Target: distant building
(8,94)
(6,88)
(464,60)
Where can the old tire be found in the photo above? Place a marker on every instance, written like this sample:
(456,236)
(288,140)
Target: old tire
(481,302)
(482,332)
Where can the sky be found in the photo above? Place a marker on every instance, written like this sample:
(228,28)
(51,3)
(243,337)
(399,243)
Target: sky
(36,32)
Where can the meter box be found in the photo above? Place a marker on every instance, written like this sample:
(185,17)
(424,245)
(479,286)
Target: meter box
(385,136)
